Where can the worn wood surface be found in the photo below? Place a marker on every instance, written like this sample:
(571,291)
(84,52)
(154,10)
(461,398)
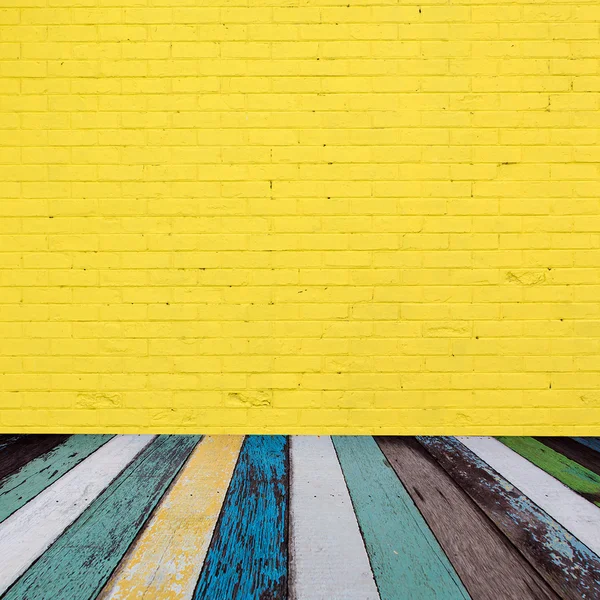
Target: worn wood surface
(488,564)
(574,513)
(20,487)
(28,532)
(579,453)
(19,450)
(590,442)
(578,478)
(7,439)
(78,564)
(166,559)
(248,555)
(406,559)
(569,566)
(328,559)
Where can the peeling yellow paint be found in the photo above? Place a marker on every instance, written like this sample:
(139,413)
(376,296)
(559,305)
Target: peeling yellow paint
(166,560)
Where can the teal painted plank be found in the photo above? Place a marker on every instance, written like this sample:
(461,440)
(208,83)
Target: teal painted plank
(20,487)
(78,564)
(248,555)
(19,450)
(406,558)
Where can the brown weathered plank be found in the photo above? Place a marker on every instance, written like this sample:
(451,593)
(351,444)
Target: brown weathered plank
(489,566)
(585,456)
(566,564)
(8,438)
(21,450)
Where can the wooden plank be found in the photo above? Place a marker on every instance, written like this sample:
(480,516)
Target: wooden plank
(22,449)
(78,564)
(566,564)
(574,451)
(405,556)
(8,439)
(471,541)
(574,513)
(248,554)
(167,558)
(21,486)
(28,532)
(328,559)
(590,442)
(578,478)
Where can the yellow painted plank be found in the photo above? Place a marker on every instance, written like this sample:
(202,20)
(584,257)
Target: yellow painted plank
(166,560)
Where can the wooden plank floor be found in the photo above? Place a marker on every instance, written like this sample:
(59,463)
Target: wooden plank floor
(304,518)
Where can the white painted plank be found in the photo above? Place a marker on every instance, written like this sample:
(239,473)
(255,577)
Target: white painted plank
(28,532)
(576,514)
(328,560)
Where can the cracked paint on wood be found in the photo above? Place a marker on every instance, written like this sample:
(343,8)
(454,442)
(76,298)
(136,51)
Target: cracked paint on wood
(35,476)
(569,566)
(78,564)
(166,560)
(17,451)
(28,532)
(248,555)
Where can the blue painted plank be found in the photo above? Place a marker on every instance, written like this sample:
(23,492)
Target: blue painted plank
(406,558)
(247,558)
(79,563)
(20,487)
(590,442)
(568,566)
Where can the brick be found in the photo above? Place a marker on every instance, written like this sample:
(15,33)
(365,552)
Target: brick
(324,217)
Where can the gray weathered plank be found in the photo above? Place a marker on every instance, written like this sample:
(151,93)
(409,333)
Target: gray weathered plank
(566,564)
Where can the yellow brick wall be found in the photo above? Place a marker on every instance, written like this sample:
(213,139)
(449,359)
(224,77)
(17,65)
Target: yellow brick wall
(300,216)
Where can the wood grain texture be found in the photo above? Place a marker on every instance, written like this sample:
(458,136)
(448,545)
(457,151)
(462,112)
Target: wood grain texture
(590,442)
(579,453)
(167,558)
(19,450)
(248,555)
(406,559)
(328,559)
(574,513)
(566,564)
(488,564)
(578,478)
(7,439)
(78,564)
(21,486)
(28,532)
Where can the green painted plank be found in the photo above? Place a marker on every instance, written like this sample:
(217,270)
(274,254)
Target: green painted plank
(406,558)
(572,474)
(20,487)
(80,562)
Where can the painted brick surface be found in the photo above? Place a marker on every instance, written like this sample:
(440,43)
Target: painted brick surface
(300,216)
